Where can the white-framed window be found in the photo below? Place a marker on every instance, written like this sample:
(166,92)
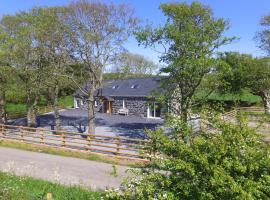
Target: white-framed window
(154,110)
(77,103)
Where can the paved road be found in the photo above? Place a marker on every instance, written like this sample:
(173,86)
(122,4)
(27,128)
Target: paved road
(63,170)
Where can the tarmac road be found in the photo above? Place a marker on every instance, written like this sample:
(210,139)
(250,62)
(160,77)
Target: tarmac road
(63,170)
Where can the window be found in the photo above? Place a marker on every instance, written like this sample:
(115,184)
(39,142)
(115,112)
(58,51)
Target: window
(115,87)
(154,110)
(96,104)
(134,86)
(78,102)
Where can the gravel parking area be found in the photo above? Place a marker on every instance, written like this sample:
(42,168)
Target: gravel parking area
(109,124)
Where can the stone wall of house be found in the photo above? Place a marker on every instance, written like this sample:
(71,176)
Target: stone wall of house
(83,104)
(136,105)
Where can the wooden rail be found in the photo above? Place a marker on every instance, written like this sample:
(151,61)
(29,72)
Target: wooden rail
(232,114)
(121,147)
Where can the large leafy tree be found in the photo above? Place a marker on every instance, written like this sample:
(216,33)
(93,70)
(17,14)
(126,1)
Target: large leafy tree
(133,64)
(7,79)
(98,32)
(190,38)
(263,37)
(51,38)
(19,48)
(245,72)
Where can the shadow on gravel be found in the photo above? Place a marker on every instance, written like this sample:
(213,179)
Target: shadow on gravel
(128,126)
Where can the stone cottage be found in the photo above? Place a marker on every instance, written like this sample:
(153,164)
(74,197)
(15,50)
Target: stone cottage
(131,96)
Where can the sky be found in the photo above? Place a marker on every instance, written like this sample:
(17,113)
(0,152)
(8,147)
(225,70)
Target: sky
(243,15)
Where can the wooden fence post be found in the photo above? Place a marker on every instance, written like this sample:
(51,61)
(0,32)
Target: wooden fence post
(118,144)
(89,142)
(21,134)
(63,139)
(41,137)
(2,132)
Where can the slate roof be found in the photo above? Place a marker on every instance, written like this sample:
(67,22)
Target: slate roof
(130,87)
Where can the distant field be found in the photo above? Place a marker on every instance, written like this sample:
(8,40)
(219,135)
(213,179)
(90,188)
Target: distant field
(24,188)
(246,97)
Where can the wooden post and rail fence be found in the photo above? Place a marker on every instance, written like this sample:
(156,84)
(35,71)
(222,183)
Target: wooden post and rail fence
(249,110)
(117,146)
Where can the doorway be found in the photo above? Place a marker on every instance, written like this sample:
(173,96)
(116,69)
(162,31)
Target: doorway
(107,106)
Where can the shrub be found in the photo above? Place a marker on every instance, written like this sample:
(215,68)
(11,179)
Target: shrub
(230,163)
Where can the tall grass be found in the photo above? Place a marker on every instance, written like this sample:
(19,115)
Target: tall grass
(25,188)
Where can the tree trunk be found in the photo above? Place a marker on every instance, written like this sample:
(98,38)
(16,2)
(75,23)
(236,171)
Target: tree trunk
(56,110)
(31,111)
(266,101)
(48,96)
(184,113)
(91,113)
(2,107)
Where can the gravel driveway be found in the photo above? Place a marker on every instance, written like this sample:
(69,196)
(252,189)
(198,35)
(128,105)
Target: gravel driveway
(76,120)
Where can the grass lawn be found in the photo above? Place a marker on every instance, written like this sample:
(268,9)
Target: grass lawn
(25,188)
(245,98)
(16,110)
(66,101)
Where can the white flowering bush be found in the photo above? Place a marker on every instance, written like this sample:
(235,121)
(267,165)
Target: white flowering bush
(232,163)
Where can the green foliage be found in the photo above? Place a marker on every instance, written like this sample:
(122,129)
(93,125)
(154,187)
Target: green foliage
(190,38)
(23,188)
(242,71)
(114,171)
(263,37)
(66,101)
(129,63)
(232,163)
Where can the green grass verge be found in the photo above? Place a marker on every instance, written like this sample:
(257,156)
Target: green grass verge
(26,188)
(17,110)
(66,101)
(70,153)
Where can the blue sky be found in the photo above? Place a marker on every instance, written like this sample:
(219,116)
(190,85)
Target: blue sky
(244,16)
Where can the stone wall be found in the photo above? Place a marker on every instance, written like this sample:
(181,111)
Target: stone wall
(136,105)
(83,103)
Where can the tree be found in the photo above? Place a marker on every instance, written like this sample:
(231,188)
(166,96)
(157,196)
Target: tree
(98,31)
(6,80)
(233,164)
(133,64)
(19,49)
(190,38)
(263,37)
(50,35)
(245,72)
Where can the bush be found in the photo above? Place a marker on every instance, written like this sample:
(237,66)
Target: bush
(231,163)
